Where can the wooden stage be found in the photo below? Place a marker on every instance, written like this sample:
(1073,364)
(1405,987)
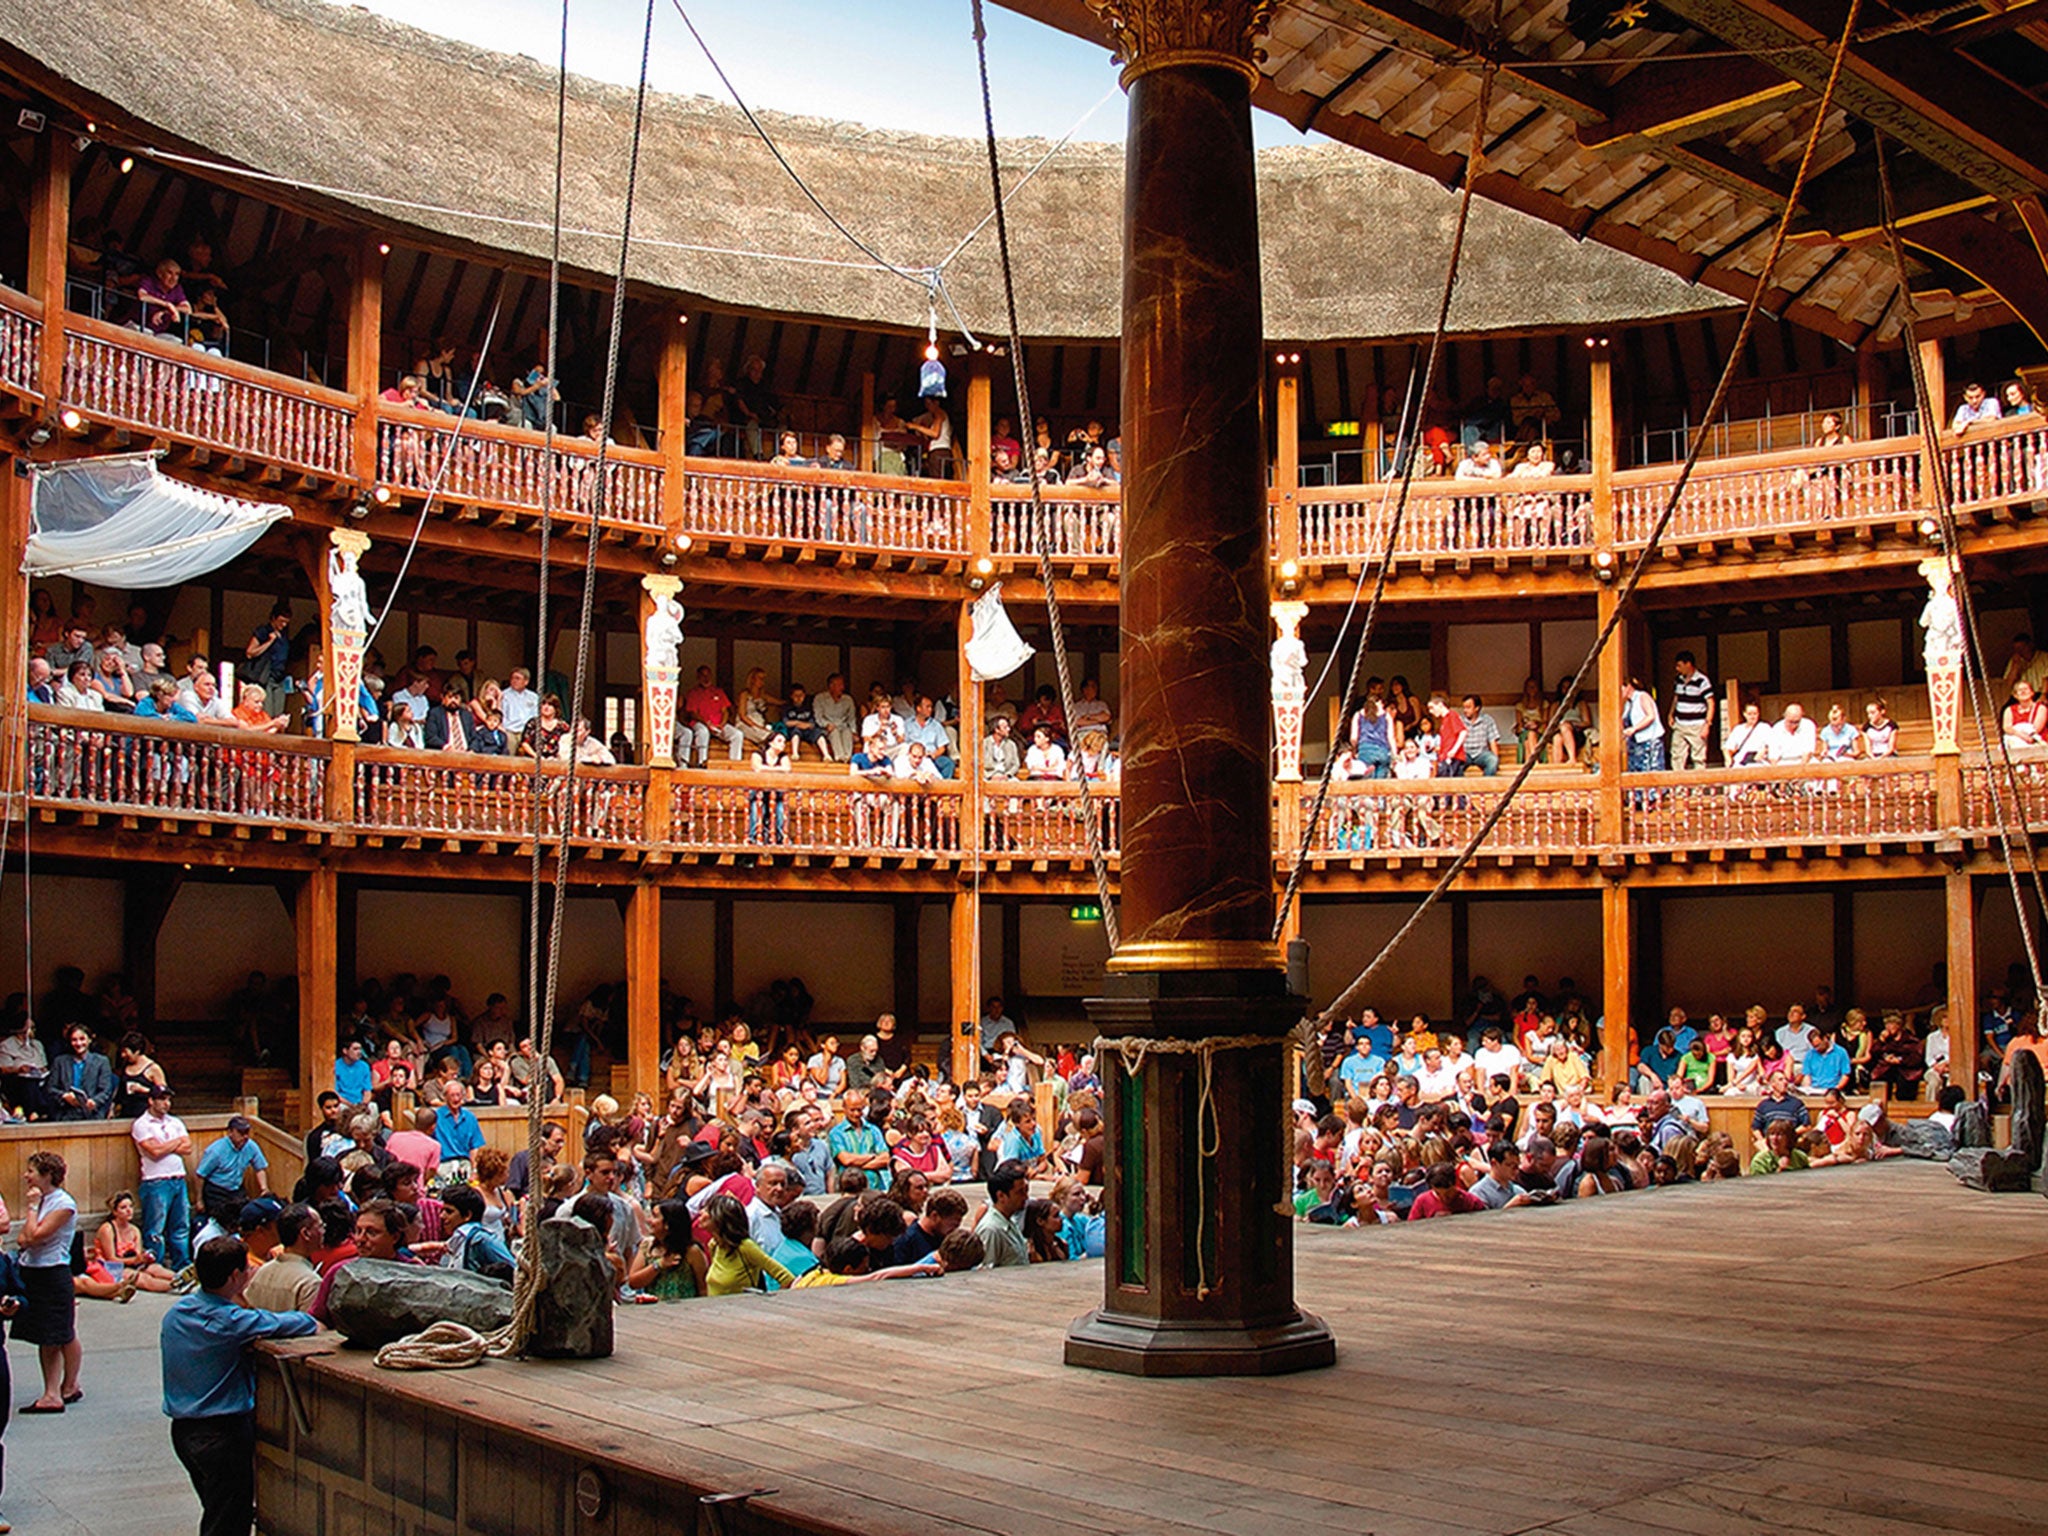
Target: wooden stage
(1852,1350)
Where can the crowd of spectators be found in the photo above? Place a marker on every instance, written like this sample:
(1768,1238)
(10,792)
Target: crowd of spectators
(172,296)
(1499,1107)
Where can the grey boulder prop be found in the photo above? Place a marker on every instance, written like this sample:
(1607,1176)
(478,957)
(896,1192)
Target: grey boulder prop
(1995,1172)
(374,1301)
(1973,1126)
(2027,1107)
(573,1314)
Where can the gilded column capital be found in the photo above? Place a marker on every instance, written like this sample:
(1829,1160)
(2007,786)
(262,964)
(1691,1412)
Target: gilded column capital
(1159,34)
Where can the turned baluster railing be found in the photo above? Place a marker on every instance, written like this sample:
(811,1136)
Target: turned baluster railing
(795,506)
(486,464)
(1889,800)
(21,343)
(182,392)
(1042,820)
(162,768)
(1392,817)
(1079,523)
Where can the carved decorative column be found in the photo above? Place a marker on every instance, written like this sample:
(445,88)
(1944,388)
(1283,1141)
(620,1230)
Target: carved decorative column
(1199,1278)
(659,668)
(348,625)
(1290,689)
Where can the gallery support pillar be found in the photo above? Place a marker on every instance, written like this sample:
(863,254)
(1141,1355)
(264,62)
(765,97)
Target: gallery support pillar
(1199,1276)
(316,921)
(643,989)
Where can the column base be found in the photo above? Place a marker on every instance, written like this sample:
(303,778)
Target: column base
(1143,1346)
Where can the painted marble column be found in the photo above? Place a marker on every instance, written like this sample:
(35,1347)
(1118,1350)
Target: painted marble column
(348,631)
(1199,1273)
(660,667)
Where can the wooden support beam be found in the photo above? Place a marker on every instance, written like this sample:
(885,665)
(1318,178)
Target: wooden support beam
(1612,668)
(146,896)
(673,416)
(1287,459)
(1940,103)
(721,955)
(316,924)
(980,431)
(1617,982)
(2003,264)
(904,957)
(1431,32)
(966,998)
(1653,109)
(49,247)
(1959,898)
(365,350)
(643,989)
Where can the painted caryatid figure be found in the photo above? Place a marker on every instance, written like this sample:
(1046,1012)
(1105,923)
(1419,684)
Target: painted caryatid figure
(660,664)
(1290,688)
(1942,648)
(348,628)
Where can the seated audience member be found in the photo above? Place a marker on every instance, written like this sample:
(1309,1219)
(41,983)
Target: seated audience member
(1001,1229)
(1780,1152)
(1778,1103)
(1442,1196)
(289,1281)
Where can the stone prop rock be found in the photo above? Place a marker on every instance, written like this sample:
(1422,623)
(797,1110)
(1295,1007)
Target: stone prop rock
(573,1317)
(2028,1108)
(1973,1126)
(375,1301)
(1991,1170)
(1923,1138)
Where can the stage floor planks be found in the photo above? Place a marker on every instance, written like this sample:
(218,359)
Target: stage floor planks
(1851,1350)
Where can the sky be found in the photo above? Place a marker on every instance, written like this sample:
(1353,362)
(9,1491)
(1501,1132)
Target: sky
(906,64)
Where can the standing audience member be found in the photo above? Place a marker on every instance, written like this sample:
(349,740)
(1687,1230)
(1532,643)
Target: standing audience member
(163,1144)
(49,1310)
(210,1384)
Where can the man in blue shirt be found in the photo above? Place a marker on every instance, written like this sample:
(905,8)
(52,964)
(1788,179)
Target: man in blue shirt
(1360,1067)
(1827,1062)
(856,1144)
(455,1126)
(224,1169)
(210,1387)
(352,1074)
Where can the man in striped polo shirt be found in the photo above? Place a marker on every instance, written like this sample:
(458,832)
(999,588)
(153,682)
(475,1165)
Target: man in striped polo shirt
(1692,715)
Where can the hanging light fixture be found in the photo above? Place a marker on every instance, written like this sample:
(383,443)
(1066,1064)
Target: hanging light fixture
(931,377)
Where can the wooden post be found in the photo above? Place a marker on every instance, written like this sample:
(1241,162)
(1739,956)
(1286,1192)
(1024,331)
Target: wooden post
(14,518)
(49,246)
(866,460)
(1959,896)
(966,915)
(1607,703)
(643,989)
(980,465)
(966,996)
(315,920)
(1617,976)
(366,350)
(1936,370)
(1869,390)
(673,415)
(1287,460)
(903,950)
(721,955)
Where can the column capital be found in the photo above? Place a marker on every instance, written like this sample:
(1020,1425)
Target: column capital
(1162,34)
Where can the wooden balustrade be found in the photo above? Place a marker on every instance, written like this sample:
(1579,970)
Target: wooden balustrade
(162,768)
(1080,523)
(181,392)
(508,468)
(833,509)
(1395,817)
(1772,493)
(1449,518)
(739,812)
(21,343)
(457,794)
(1981,816)
(159,769)
(1026,820)
(1992,464)
(1891,800)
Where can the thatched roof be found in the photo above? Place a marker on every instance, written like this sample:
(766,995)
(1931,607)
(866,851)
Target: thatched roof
(339,97)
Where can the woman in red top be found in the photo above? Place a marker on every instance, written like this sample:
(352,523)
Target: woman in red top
(2026,719)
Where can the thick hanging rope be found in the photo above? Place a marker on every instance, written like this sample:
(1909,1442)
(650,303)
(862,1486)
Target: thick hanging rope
(1041,517)
(1407,445)
(1306,1032)
(1977,680)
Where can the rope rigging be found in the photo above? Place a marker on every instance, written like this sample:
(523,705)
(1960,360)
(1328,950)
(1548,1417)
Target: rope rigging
(1977,680)
(1041,518)
(1410,435)
(1342,1003)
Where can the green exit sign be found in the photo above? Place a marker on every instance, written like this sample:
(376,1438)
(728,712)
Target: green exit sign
(1085,912)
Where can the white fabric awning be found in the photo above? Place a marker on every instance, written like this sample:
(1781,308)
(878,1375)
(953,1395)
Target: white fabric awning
(994,649)
(117,522)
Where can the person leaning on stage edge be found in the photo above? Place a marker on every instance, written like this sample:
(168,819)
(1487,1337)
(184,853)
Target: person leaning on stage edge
(1002,1236)
(210,1385)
